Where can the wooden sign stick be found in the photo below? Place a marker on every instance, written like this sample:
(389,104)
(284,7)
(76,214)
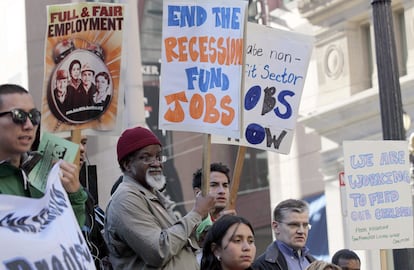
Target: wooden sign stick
(76,138)
(383,259)
(205,184)
(235,182)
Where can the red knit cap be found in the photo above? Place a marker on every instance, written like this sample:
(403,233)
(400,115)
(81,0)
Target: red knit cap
(133,139)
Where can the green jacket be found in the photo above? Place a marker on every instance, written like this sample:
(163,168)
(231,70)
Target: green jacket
(12,183)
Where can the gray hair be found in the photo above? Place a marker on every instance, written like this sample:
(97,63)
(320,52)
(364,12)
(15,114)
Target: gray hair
(289,206)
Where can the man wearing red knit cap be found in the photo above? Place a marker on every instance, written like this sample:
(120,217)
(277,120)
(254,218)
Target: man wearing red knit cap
(141,229)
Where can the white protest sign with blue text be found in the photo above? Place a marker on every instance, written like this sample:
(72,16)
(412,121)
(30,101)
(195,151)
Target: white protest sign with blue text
(201,68)
(378,193)
(42,233)
(276,65)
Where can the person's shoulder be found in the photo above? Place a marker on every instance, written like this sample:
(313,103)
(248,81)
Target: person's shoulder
(269,256)
(310,258)
(260,260)
(261,263)
(127,192)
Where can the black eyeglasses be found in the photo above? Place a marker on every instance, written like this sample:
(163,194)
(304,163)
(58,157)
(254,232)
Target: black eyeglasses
(19,116)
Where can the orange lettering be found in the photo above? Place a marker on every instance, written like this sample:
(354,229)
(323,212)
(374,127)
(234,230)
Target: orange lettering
(213,54)
(203,47)
(212,114)
(169,44)
(222,51)
(176,115)
(226,119)
(193,53)
(239,52)
(182,48)
(196,106)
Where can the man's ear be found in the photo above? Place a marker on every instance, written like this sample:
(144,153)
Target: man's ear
(275,226)
(125,165)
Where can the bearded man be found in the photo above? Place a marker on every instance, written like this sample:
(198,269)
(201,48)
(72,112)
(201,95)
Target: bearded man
(141,229)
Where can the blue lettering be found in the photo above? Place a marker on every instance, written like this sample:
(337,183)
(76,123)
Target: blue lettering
(226,17)
(207,79)
(282,100)
(255,134)
(285,78)
(383,197)
(393,213)
(183,16)
(363,160)
(252,97)
(361,215)
(392,157)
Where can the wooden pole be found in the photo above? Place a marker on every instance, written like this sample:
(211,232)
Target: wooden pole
(206,164)
(235,182)
(76,138)
(383,259)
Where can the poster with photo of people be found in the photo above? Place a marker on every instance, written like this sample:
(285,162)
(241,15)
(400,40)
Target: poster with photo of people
(82,66)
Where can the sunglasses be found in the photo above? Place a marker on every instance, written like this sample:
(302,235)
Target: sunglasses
(19,116)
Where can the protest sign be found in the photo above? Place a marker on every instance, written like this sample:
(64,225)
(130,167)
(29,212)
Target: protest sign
(52,148)
(378,193)
(201,69)
(42,233)
(275,72)
(82,66)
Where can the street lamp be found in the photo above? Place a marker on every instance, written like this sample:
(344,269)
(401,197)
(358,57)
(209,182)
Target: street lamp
(390,96)
(388,75)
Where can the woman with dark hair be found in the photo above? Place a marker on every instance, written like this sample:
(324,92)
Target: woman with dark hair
(75,75)
(74,82)
(102,95)
(229,245)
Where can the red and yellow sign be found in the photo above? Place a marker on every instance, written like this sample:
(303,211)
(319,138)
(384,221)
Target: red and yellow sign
(82,66)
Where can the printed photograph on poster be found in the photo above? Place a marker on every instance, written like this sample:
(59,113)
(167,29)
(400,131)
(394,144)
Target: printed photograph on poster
(82,66)
(52,148)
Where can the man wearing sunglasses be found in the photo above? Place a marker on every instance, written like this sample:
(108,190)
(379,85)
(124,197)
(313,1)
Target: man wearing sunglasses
(19,121)
(291,227)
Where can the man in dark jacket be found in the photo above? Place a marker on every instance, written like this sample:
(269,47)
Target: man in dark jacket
(291,226)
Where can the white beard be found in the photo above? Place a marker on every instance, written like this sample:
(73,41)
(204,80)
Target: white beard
(155,181)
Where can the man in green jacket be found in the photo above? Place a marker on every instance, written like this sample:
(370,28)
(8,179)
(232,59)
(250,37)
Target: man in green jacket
(19,120)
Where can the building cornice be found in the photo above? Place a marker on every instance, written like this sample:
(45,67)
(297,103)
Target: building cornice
(331,11)
(358,117)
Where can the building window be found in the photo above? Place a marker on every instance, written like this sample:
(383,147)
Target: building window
(255,170)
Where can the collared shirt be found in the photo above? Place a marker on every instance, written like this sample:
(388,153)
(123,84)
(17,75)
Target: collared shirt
(295,261)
